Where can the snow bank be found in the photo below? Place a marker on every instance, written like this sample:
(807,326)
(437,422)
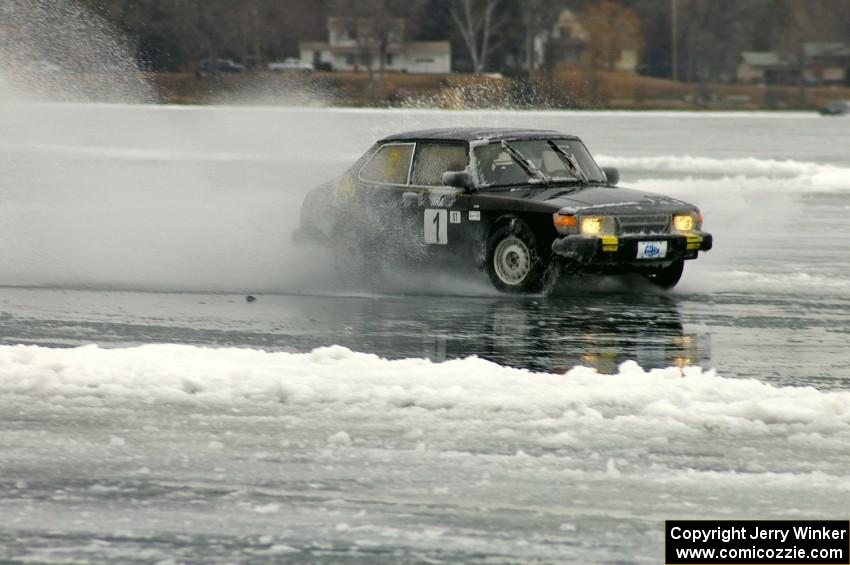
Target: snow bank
(749,282)
(694,165)
(670,398)
(786,174)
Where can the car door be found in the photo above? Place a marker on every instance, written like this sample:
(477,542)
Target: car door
(440,211)
(382,181)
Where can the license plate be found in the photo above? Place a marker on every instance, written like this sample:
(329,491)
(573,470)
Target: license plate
(652,250)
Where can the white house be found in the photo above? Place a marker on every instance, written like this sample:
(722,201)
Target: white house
(353,46)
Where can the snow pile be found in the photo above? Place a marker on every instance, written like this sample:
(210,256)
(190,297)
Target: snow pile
(741,281)
(745,173)
(749,166)
(373,453)
(672,398)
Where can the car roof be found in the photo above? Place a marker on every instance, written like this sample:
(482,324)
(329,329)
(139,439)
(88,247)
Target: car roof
(474,134)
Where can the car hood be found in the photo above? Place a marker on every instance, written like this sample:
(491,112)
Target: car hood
(599,199)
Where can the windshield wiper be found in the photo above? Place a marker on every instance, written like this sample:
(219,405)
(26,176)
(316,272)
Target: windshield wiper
(525,163)
(569,161)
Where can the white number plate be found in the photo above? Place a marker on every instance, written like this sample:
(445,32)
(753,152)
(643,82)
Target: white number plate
(652,249)
(436,226)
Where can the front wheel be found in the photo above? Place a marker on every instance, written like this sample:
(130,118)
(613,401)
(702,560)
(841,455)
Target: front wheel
(514,263)
(666,277)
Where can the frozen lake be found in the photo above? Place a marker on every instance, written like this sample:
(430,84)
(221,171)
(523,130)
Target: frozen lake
(311,426)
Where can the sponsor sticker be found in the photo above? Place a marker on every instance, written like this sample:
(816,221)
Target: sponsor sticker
(474,216)
(454,216)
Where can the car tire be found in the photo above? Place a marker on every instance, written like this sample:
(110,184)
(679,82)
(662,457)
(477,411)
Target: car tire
(666,277)
(515,263)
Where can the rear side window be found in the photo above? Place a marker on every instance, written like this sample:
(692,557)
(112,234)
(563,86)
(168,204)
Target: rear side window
(434,159)
(390,164)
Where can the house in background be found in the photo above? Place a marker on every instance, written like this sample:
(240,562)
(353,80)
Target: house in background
(569,41)
(768,67)
(565,43)
(821,63)
(353,45)
(827,63)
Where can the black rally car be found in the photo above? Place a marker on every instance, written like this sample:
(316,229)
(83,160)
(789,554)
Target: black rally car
(520,204)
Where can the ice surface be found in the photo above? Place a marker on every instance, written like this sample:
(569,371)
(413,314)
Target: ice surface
(197,454)
(339,451)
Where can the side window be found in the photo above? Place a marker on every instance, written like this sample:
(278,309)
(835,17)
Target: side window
(391,164)
(434,159)
(496,167)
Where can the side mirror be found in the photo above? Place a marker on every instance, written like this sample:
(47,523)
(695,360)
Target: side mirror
(612,175)
(457,179)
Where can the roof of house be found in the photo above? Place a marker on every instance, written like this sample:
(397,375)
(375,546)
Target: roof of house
(472,134)
(833,49)
(768,60)
(408,47)
(435,47)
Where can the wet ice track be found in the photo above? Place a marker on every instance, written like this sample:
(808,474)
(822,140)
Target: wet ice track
(323,423)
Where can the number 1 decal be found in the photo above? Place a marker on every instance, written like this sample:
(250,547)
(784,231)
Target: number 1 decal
(436,223)
(436,226)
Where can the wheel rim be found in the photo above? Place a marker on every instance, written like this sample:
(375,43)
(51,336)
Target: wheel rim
(512,261)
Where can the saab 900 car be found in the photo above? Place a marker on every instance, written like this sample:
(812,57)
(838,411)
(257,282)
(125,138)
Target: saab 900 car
(522,205)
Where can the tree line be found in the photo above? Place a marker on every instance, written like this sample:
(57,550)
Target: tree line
(486,35)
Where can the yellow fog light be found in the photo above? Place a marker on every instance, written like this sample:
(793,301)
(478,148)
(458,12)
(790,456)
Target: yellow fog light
(591,225)
(683,223)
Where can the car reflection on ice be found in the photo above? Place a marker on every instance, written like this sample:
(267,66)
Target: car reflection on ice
(592,331)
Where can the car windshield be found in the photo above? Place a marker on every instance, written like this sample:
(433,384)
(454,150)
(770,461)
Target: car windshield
(552,161)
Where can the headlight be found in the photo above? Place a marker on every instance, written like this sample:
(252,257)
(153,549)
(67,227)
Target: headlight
(597,225)
(591,225)
(687,222)
(683,223)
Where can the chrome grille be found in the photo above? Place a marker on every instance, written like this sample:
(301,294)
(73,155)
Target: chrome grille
(639,225)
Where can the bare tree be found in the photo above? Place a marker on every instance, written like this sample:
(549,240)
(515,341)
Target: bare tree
(477,22)
(538,18)
(365,42)
(379,25)
(385,29)
(613,29)
(255,31)
(373,37)
(175,34)
(205,27)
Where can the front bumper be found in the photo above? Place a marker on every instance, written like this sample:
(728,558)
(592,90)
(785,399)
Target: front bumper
(623,250)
